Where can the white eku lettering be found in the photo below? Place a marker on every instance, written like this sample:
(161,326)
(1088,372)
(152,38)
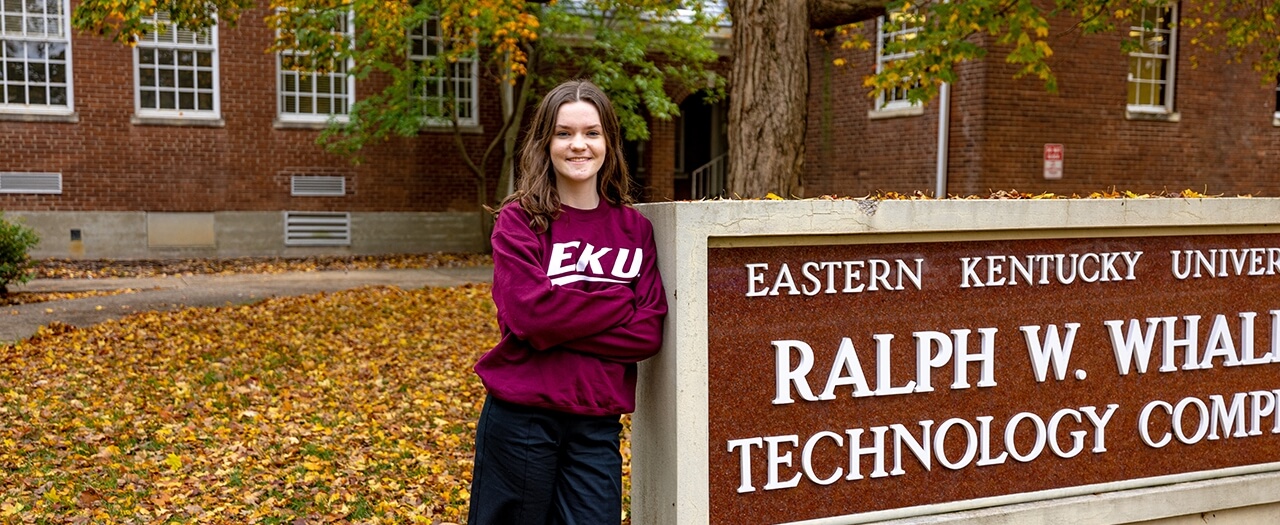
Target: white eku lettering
(568,265)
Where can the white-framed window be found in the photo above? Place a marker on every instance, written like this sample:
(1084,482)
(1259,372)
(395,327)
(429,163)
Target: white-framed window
(896,27)
(1275,117)
(458,82)
(176,72)
(307,96)
(1151,67)
(35,57)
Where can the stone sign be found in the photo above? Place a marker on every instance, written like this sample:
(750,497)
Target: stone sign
(861,376)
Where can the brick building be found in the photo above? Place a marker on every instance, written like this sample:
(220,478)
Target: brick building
(205,145)
(1145,122)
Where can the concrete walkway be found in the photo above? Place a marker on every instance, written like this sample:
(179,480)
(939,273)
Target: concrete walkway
(171,293)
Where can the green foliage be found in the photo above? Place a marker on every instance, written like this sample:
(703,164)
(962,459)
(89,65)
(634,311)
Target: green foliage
(15,263)
(637,51)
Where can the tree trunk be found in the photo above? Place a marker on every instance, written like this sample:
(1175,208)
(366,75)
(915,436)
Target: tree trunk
(769,87)
(826,14)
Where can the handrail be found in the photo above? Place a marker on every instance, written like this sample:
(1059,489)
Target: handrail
(708,180)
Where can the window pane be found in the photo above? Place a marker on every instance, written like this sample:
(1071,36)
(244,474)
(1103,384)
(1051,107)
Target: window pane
(58,96)
(35,25)
(164,57)
(11,24)
(36,95)
(146,56)
(36,73)
(186,58)
(17,95)
(147,99)
(186,100)
(166,100)
(187,79)
(205,101)
(147,77)
(204,79)
(14,72)
(204,59)
(166,78)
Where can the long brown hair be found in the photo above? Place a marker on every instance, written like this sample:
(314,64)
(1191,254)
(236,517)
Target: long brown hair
(536,191)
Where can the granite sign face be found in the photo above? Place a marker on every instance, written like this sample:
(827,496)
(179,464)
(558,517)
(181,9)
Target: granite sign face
(851,378)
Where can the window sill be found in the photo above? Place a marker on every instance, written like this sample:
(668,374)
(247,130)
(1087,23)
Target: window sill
(191,122)
(448,128)
(1275,120)
(70,118)
(1172,116)
(909,111)
(302,124)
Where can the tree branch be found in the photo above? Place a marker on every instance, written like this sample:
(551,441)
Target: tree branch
(826,14)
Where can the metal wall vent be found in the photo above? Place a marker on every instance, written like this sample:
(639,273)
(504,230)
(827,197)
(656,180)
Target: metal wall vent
(317,229)
(319,186)
(30,183)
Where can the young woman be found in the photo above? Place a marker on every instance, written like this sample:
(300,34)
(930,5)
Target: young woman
(580,302)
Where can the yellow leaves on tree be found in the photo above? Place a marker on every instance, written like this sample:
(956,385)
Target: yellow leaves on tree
(351,407)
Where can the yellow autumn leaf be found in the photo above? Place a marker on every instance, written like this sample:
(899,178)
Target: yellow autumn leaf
(10,509)
(173,461)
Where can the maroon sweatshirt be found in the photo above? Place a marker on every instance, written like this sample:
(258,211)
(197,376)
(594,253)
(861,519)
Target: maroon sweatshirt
(578,305)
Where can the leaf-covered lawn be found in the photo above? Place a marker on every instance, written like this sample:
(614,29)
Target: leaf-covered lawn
(352,407)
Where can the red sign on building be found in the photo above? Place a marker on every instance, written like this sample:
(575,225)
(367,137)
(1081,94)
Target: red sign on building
(1052,161)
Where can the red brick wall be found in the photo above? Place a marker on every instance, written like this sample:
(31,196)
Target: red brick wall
(1224,143)
(110,164)
(846,153)
(659,182)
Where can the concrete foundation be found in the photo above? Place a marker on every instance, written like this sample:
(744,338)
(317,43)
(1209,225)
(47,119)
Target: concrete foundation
(143,235)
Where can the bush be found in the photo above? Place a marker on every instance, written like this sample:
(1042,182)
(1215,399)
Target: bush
(15,241)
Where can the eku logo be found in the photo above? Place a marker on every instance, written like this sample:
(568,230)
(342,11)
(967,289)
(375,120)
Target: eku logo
(589,266)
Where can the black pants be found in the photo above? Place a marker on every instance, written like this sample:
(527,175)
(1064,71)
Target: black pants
(542,467)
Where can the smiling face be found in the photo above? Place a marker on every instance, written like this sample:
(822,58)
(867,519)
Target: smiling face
(577,148)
